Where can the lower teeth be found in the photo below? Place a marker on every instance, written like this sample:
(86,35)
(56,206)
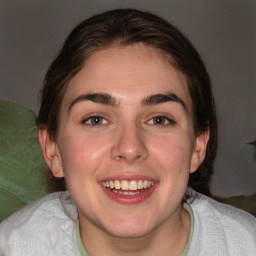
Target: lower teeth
(125,193)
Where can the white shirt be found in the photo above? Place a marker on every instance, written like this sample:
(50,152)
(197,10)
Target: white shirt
(220,229)
(48,227)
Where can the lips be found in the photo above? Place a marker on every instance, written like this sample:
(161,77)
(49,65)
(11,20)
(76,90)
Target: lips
(128,191)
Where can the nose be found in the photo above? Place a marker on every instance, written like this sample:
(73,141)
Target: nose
(129,145)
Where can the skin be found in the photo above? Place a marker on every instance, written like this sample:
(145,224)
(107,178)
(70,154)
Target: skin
(127,142)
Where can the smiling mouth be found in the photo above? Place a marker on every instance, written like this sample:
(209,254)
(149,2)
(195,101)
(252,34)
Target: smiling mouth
(128,188)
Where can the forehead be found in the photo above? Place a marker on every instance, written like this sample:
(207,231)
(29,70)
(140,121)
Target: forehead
(128,73)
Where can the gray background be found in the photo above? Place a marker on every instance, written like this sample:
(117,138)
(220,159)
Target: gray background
(224,32)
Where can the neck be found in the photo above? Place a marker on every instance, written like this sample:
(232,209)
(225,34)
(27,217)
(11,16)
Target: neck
(169,238)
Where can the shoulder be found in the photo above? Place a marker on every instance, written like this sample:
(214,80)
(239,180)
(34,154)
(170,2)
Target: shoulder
(222,228)
(51,206)
(39,224)
(207,207)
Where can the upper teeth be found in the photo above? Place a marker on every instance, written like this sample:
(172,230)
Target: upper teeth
(127,185)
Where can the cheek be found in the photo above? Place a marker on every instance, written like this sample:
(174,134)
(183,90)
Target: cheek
(173,154)
(82,153)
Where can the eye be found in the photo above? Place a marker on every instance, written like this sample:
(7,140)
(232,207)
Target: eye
(95,120)
(161,120)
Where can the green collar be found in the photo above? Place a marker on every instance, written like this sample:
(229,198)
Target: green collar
(82,250)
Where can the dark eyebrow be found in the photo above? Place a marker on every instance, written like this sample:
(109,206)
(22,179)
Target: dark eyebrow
(162,98)
(101,98)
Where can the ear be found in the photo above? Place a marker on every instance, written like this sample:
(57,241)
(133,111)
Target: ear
(199,150)
(51,153)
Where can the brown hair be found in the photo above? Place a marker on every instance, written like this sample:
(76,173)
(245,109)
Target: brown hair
(124,27)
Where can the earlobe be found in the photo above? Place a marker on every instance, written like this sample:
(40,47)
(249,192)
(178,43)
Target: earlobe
(199,150)
(51,153)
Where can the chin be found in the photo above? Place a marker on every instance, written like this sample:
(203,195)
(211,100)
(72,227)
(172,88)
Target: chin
(129,227)
(124,232)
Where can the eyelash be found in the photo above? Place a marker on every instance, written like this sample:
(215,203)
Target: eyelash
(165,118)
(103,121)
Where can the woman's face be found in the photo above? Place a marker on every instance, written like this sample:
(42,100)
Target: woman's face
(126,143)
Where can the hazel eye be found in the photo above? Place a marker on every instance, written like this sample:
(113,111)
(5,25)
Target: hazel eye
(161,120)
(95,120)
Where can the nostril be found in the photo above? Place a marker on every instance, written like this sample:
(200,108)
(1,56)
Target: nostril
(119,157)
(129,146)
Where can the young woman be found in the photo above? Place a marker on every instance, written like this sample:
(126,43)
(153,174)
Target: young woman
(127,126)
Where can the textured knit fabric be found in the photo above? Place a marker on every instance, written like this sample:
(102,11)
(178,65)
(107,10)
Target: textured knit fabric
(45,227)
(221,230)
(48,227)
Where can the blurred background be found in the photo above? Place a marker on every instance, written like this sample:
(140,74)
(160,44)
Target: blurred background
(223,31)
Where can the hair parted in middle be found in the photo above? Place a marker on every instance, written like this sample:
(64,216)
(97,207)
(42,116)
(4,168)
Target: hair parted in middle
(120,28)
